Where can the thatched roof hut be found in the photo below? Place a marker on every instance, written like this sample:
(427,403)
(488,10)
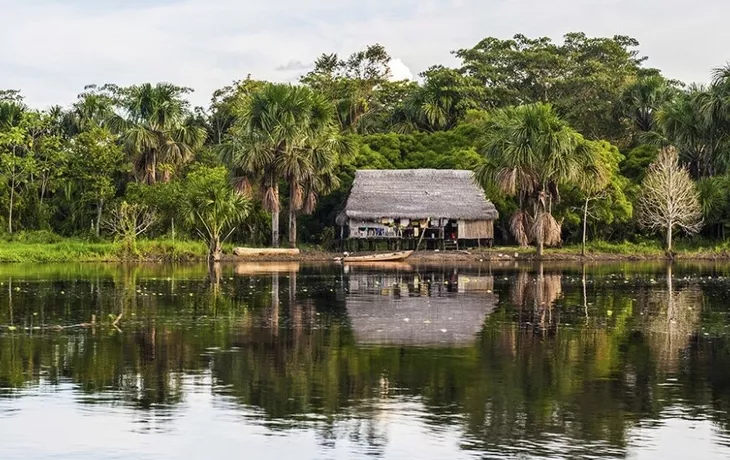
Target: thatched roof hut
(417,194)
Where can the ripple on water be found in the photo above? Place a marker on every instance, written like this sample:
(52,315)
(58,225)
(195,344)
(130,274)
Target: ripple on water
(244,368)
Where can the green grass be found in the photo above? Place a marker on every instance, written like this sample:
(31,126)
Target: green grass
(72,250)
(44,247)
(645,249)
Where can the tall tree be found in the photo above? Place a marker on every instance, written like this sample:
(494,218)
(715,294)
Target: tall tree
(94,108)
(158,130)
(669,198)
(223,113)
(643,98)
(285,133)
(18,130)
(530,151)
(583,77)
(686,123)
(440,103)
(596,178)
(352,84)
(96,163)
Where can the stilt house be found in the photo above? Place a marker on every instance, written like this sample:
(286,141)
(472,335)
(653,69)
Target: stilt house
(443,208)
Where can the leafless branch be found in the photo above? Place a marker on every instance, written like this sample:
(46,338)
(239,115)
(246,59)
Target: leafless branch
(128,221)
(669,198)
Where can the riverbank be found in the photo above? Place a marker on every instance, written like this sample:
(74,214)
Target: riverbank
(595,252)
(70,250)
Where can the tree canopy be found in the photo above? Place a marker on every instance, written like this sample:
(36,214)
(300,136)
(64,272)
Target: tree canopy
(559,131)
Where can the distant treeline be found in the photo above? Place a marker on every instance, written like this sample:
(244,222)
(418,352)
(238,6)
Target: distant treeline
(557,132)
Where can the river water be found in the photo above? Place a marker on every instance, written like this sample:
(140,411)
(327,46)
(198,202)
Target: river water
(394,361)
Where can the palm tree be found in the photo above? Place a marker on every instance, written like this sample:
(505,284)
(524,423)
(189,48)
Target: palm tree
(286,133)
(158,131)
(643,99)
(439,104)
(214,208)
(11,114)
(94,108)
(530,151)
(687,123)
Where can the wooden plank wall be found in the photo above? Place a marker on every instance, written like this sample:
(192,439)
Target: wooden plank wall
(476,229)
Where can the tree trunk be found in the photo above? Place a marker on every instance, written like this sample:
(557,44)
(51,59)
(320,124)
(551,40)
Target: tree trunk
(153,170)
(10,208)
(669,241)
(275,219)
(214,251)
(293,214)
(540,237)
(585,222)
(292,229)
(275,229)
(99,209)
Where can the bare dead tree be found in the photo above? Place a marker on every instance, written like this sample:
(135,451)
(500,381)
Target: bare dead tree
(128,221)
(669,198)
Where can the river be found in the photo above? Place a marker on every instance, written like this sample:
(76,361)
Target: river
(391,361)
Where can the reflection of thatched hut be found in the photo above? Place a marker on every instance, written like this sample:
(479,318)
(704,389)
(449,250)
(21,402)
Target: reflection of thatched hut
(446,206)
(405,309)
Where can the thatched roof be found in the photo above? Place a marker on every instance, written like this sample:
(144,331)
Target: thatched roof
(417,194)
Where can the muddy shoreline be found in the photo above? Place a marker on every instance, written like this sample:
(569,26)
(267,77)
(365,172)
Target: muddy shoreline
(493,255)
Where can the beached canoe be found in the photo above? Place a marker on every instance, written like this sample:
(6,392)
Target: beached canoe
(387,257)
(253,252)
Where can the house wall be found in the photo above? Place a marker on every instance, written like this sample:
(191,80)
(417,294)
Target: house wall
(476,229)
(467,230)
(377,229)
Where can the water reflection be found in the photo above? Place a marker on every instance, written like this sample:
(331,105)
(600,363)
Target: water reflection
(417,308)
(542,361)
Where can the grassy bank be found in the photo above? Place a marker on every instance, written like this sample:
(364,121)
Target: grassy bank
(56,249)
(624,251)
(70,250)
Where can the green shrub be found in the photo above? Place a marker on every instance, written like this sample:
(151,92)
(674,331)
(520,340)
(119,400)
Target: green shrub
(328,238)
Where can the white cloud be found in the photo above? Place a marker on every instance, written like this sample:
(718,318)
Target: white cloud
(52,49)
(400,71)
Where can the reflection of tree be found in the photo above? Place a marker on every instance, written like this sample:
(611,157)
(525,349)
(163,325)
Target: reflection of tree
(588,382)
(535,296)
(671,318)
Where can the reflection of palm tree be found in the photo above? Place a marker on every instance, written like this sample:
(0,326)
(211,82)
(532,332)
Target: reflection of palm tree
(585,291)
(10,299)
(539,293)
(274,313)
(214,279)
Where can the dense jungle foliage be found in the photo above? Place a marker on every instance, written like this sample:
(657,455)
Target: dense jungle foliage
(561,129)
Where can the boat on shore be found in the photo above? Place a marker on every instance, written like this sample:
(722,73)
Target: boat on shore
(258,252)
(386,257)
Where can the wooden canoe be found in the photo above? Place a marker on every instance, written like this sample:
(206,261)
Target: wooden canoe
(388,257)
(253,252)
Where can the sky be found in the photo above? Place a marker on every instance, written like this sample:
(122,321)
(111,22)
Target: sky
(52,49)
